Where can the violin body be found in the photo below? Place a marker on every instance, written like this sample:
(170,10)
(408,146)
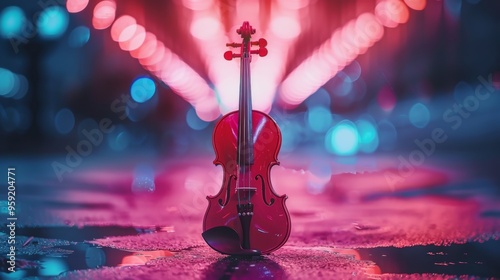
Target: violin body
(246,217)
(269,227)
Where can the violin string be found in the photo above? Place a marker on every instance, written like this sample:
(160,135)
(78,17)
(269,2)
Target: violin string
(249,116)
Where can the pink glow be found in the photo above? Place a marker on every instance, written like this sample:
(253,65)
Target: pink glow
(293,4)
(163,64)
(104,14)
(75,6)
(147,48)
(120,26)
(205,28)
(416,4)
(391,13)
(198,5)
(386,99)
(127,33)
(285,27)
(135,41)
(155,56)
(345,44)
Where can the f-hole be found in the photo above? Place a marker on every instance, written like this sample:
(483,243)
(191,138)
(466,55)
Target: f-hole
(271,202)
(228,191)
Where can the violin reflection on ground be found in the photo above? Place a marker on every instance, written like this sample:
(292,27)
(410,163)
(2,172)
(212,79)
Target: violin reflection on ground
(244,268)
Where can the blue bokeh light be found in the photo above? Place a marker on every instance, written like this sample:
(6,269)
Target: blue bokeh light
(368,136)
(320,97)
(342,139)
(7,82)
(79,36)
(64,121)
(353,70)
(194,121)
(119,139)
(341,84)
(12,21)
(142,89)
(419,115)
(53,22)
(319,119)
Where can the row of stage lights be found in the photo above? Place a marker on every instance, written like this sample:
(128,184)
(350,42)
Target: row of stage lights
(342,48)
(346,43)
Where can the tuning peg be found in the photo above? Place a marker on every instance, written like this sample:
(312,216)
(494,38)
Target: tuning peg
(233,45)
(261,43)
(261,52)
(229,55)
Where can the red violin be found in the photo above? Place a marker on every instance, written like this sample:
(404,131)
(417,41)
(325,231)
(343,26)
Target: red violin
(246,216)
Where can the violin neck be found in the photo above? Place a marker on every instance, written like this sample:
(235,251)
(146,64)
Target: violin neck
(245,137)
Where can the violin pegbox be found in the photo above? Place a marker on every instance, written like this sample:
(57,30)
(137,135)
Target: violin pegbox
(246,32)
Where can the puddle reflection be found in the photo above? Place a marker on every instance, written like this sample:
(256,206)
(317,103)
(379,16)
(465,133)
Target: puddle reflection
(81,256)
(244,268)
(472,258)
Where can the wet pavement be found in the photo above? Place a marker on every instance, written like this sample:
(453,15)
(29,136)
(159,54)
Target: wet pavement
(141,219)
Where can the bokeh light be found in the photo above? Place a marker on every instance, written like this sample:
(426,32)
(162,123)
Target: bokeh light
(293,4)
(194,121)
(104,14)
(368,136)
(119,139)
(345,44)
(419,115)
(122,24)
(285,27)
(340,85)
(135,41)
(21,89)
(53,22)
(319,118)
(79,36)
(342,139)
(416,4)
(12,21)
(205,28)
(75,6)
(64,121)
(386,99)
(142,89)
(7,82)
(391,13)
(198,5)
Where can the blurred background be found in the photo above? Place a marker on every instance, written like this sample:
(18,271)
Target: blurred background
(343,79)
(390,108)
